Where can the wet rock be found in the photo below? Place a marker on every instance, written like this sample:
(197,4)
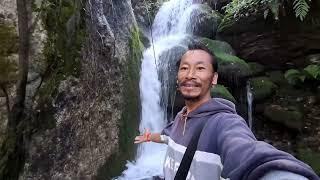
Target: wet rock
(262,88)
(145,11)
(290,117)
(203,21)
(220,91)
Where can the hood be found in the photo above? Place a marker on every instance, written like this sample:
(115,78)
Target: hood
(213,106)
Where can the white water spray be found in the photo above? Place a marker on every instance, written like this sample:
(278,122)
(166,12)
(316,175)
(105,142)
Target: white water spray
(169,29)
(249,99)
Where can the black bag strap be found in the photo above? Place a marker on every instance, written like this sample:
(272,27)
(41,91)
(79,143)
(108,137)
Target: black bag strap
(188,155)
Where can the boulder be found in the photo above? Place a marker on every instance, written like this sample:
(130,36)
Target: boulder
(277,77)
(290,117)
(203,20)
(217,46)
(220,91)
(230,66)
(262,88)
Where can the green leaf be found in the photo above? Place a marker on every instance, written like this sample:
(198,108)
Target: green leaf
(301,8)
(294,76)
(313,71)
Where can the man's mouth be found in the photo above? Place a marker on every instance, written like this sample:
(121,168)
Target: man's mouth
(190,84)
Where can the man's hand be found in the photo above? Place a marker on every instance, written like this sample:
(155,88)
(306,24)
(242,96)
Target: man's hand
(145,137)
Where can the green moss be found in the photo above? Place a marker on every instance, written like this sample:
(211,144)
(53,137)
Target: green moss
(218,46)
(224,58)
(311,158)
(262,87)
(65,25)
(131,113)
(222,92)
(290,117)
(256,68)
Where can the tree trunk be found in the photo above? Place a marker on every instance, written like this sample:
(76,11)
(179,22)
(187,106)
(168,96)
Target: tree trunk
(12,152)
(7,98)
(24,43)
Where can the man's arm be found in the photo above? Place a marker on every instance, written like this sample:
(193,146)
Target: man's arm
(244,157)
(151,137)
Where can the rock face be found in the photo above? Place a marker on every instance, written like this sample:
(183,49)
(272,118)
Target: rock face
(89,121)
(269,43)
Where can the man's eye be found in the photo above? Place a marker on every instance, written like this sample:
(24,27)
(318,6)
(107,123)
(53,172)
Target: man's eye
(183,68)
(201,68)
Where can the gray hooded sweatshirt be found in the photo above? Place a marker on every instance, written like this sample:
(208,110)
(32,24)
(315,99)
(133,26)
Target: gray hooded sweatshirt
(226,147)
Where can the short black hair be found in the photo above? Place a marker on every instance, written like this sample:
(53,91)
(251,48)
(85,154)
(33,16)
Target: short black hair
(200,46)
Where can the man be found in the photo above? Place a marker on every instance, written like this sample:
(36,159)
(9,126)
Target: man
(226,145)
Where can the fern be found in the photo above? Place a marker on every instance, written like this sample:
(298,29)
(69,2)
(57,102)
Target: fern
(301,8)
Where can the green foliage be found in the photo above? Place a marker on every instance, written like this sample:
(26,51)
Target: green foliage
(301,8)
(237,9)
(312,71)
(295,77)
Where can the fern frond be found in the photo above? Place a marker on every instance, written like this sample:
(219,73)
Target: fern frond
(301,8)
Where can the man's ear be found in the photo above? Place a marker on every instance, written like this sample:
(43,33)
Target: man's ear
(215,79)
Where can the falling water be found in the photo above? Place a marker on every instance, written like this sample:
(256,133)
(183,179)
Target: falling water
(169,30)
(249,100)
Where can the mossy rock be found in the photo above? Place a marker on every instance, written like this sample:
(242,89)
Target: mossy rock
(310,157)
(290,117)
(256,68)
(277,77)
(228,63)
(219,47)
(220,91)
(262,88)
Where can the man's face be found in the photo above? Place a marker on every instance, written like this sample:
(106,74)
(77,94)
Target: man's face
(196,75)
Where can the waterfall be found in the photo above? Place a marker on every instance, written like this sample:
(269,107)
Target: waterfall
(249,100)
(169,31)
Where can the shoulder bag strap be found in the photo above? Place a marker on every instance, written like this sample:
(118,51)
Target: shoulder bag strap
(188,155)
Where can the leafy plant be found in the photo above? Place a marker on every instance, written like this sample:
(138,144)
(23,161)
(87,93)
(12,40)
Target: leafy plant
(301,8)
(294,76)
(242,8)
(311,72)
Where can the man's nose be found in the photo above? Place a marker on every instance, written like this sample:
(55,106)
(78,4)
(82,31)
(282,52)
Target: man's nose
(191,73)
